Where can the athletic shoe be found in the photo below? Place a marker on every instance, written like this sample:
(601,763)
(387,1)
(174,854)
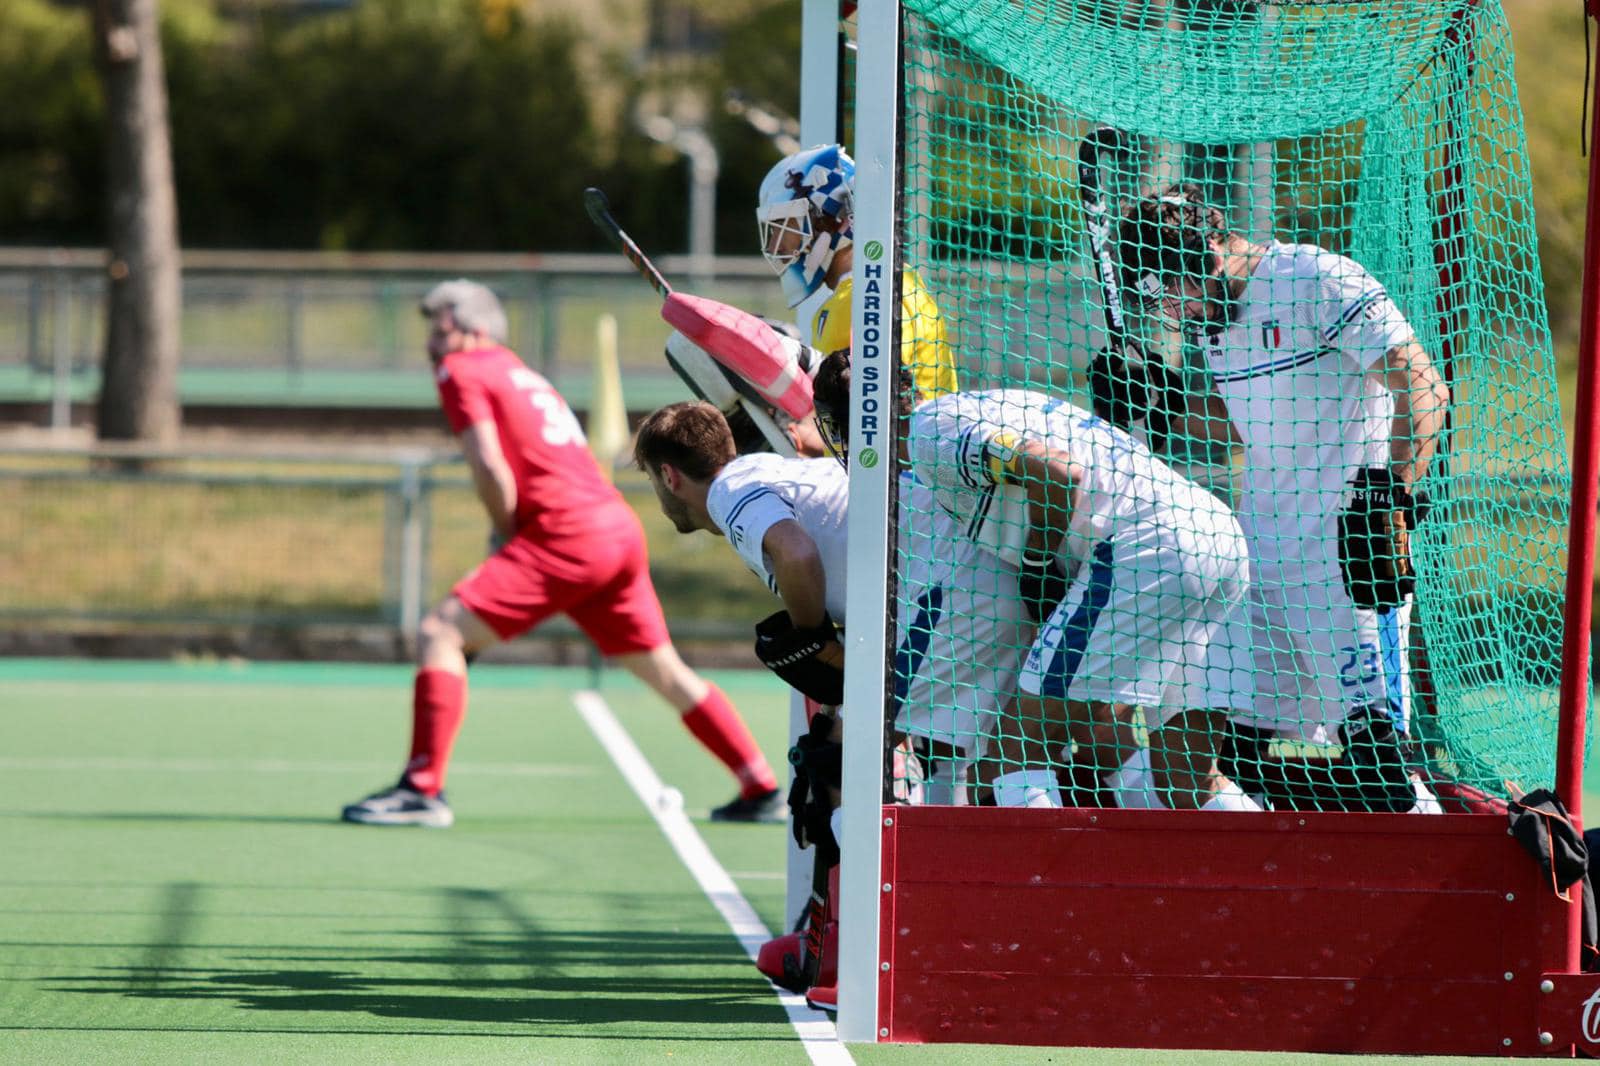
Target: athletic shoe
(1427,802)
(772,956)
(823,997)
(401,806)
(767,807)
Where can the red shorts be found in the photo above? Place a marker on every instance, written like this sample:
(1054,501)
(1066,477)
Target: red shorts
(601,580)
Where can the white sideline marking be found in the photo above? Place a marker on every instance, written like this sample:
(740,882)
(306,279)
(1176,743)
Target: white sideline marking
(816,1032)
(75,764)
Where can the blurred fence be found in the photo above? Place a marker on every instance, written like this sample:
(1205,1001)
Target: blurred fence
(343,330)
(288,540)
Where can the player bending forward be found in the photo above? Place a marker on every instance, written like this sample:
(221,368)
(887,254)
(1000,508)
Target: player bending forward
(568,544)
(961,626)
(1339,410)
(1159,564)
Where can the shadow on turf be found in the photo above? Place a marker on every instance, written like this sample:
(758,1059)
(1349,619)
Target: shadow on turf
(489,962)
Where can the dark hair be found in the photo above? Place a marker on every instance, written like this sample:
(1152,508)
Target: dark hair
(1166,237)
(830,394)
(693,436)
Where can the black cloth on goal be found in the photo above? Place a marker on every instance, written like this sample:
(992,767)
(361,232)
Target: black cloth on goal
(1542,826)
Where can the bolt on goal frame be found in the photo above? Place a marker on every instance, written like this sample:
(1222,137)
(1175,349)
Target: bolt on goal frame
(1388,133)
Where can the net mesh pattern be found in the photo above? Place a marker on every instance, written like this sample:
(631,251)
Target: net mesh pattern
(1351,147)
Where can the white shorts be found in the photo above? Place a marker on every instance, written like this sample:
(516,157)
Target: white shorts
(1138,619)
(958,654)
(1298,656)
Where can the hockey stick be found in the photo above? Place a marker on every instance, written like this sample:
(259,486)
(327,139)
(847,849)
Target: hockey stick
(1097,224)
(801,974)
(704,376)
(599,208)
(1123,389)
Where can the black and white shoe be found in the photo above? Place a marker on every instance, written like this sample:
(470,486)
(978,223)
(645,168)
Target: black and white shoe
(401,805)
(767,807)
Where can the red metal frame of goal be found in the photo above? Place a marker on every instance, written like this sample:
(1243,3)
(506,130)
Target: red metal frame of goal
(1370,933)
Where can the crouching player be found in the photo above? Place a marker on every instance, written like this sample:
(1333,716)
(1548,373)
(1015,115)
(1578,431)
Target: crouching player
(961,626)
(1159,564)
(786,519)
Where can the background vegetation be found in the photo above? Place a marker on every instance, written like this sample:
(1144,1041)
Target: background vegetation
(461,125)
(473,124)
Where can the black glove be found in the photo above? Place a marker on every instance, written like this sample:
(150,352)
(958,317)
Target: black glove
(1041,584)
(791,653)
(1126,387)
(1375,539)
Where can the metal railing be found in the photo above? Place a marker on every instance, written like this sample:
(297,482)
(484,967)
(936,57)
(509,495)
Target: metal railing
(308,318)
(279,539)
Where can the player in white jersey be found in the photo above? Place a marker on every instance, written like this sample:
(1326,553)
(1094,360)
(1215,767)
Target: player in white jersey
(960,628)
(1320,378)
(785,517)
(1159,564)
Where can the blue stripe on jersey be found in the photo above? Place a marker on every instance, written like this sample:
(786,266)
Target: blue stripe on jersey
(1069,654)
(1288,362)
(1392,663)
(1364,301)
(908,657)
(750,497)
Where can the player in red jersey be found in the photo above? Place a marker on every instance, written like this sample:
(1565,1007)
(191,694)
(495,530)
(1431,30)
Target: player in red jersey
(568,543)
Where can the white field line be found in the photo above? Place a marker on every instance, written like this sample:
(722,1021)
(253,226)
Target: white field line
(76,764)
(816,1032)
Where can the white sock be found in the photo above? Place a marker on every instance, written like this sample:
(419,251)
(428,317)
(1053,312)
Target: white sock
(1027,788)
(946,785)
(1427,802)
(1132,784)
(1231,798)
(836,823)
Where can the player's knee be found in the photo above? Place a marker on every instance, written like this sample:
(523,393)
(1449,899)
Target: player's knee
(437,632)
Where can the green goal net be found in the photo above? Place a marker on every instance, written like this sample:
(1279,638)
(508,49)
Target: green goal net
(1321,219)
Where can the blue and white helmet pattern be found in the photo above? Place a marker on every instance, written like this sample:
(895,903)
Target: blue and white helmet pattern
(805,210)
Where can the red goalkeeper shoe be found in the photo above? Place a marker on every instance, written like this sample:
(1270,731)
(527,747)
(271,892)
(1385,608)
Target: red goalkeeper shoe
(769,960)
(823,997)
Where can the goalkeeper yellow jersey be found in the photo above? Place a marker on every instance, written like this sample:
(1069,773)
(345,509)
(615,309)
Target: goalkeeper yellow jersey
(923,347)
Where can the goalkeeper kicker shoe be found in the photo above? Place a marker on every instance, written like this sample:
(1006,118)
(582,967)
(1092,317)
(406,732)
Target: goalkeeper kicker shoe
(401,805)
(767,807)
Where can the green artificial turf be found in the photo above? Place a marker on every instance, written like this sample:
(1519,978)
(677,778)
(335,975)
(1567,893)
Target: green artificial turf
(176,888)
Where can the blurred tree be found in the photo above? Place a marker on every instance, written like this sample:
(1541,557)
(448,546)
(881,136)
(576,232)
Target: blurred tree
(139,381)
(51,151)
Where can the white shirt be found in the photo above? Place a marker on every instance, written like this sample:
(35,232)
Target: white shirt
(1295,370)
(962,443)
(755,492)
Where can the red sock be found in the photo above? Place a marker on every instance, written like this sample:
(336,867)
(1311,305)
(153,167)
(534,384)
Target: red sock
(438,704)
(716,724)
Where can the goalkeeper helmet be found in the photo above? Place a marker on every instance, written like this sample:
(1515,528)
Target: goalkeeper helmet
(804,211)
